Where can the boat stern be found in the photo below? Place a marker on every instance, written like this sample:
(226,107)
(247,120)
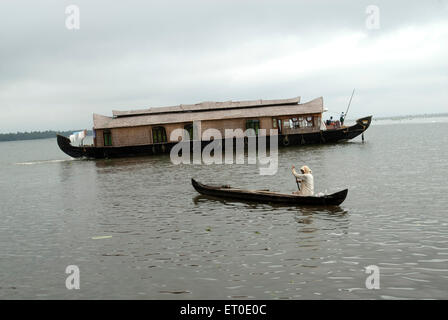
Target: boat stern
(65,145)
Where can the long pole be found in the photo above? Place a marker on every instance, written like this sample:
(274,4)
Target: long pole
(349,103)
(298,184)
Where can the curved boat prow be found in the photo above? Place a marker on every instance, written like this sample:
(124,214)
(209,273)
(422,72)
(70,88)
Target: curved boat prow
(339,197)
(65,145)
(195,184)
(365,122)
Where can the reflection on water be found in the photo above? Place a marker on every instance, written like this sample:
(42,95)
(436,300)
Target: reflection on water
(251,204)
(137,228)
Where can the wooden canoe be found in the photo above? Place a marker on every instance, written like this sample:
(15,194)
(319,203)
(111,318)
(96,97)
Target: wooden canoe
(263,196)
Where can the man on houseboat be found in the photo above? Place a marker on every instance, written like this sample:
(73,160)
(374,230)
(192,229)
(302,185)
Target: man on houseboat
(342,118)
(306,181)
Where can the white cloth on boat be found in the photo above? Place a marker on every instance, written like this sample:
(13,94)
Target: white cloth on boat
(306,183)
(80,135)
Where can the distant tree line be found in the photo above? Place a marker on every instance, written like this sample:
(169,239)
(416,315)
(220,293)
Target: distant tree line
(36,135)
(412,116)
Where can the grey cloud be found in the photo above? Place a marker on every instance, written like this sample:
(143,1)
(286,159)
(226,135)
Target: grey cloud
(134,54)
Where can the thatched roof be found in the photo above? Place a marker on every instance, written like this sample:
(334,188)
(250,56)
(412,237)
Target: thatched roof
(226,110)
(206,106)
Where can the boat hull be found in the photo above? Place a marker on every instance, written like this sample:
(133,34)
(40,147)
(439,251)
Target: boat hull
(334,199)
(320,137)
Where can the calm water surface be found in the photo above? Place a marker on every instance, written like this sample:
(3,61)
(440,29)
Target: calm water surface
(169,243)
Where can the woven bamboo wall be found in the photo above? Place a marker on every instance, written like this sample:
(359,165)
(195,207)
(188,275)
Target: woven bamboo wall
(143,134)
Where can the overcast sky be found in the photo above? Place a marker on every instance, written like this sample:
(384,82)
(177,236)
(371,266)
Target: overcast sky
(137,54)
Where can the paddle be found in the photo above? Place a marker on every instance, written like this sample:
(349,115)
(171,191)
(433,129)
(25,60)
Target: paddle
(298,184)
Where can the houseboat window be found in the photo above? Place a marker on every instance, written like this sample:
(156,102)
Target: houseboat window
(294,123)
(302,122)
(158,135)
(299,122)
(253,124)
(309,122)
(274,123)
(189,129)
(107,138)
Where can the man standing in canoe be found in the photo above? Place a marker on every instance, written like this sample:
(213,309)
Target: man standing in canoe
(306,179)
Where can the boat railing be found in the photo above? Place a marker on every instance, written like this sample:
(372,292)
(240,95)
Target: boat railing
(299,130)
(333,125)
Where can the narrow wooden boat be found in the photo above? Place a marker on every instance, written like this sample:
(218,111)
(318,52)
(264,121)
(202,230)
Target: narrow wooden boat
(264,196)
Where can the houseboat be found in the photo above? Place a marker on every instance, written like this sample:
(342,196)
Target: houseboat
(148,131)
